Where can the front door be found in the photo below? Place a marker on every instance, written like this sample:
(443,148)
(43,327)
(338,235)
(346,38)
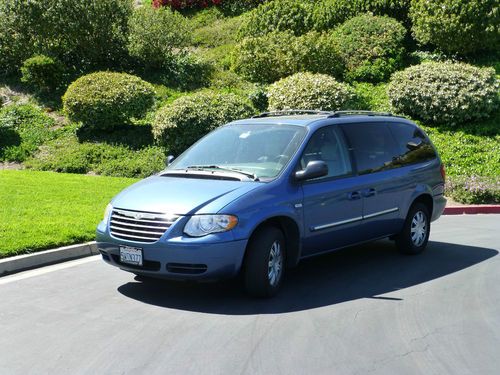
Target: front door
(332,206)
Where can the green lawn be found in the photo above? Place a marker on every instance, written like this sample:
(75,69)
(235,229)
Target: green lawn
(41,210)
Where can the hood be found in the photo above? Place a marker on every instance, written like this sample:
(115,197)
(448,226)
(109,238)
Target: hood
(179,195)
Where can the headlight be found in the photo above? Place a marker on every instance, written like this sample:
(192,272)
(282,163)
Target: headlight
(107,211)
(201,225)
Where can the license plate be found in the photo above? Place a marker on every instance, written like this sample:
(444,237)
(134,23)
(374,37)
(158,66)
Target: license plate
(131,255)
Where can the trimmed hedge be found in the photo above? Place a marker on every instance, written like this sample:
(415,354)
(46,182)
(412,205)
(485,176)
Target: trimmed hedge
(157,36)
(85,34)
(178,125)
(43,73)
(371,47)
(456,26)
(444,92)
(104,100)
(279,54)
(310,91)
(278,15)
(330,13)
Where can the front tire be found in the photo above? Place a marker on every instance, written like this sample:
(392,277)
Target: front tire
(415,234)
(265,262)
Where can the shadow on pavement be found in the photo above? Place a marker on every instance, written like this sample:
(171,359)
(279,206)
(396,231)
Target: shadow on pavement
(366,271)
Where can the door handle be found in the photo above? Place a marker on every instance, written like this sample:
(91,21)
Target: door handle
(369,192)
(354,195)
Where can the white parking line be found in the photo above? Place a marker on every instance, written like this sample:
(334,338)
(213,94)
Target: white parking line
(47,269)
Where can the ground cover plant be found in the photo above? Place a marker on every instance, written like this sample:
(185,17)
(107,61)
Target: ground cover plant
(65,208)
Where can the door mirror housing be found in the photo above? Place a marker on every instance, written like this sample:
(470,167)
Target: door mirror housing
(170,159)
(314,169)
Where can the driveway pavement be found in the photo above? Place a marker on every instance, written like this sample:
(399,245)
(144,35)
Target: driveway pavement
(358,311)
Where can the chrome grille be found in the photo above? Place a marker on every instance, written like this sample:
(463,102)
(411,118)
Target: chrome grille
(139,226)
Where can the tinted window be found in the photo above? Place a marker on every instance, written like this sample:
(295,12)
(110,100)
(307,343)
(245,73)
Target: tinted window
(373,145)
(414,147)
(327,145)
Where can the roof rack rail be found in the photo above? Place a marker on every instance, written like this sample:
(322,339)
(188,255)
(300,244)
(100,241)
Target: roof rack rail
(358,112)
(292,112)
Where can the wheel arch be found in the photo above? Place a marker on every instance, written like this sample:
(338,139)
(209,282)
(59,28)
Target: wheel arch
(291,231)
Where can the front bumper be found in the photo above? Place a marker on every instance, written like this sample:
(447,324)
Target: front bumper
(186,261)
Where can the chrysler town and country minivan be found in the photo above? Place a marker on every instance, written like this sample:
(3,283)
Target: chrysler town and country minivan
(258,195)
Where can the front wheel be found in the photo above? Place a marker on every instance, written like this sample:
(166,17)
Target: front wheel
(265,262)
(415,234)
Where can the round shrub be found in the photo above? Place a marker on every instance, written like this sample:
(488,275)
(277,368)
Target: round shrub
(86,34)
(180,124)
(279,54)
(328,14)
(455,26)
(157,36)
(310,91)
(371,47)
(444,92)
(43,73)
(104,100)
(278,15)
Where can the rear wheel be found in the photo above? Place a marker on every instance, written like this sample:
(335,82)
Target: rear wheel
(415,234)
(265,262)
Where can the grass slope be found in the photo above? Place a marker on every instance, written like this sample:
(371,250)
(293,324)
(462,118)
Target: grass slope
(41,210)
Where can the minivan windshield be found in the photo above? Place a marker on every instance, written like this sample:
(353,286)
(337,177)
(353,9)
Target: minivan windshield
(260,150)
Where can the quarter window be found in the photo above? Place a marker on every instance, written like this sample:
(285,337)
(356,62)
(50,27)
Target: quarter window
(414,146)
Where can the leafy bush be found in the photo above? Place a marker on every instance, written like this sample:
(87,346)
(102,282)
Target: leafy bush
(371,47)
(310,91)
(466,154)
(278,15)
(22,129)
(86,34)
(473,189)
(66,154)
(43,73)
(104,100)
(330,13)
(455,26)
(188,118)
(444,92)
(185,4)
(279,54)
(157,36)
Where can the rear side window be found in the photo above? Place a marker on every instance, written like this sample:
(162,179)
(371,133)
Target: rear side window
(373,145)
(413,145)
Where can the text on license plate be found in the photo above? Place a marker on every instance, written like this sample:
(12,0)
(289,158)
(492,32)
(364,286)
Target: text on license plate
(131,255)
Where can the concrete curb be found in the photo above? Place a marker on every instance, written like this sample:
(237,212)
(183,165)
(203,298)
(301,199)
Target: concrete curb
(44,258)
(472,209)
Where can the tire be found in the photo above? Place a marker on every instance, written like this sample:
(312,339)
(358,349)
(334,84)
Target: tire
(265,262)
(415,234)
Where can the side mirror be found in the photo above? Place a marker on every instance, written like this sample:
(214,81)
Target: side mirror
(314,169)
(170,159)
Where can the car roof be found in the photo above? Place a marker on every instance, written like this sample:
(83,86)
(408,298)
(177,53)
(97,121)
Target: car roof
(320,119)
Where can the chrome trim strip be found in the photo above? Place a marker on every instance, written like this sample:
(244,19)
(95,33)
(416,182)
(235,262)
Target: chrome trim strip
(325,226)
(348,221)
(120,217)
(375,214)
(115,229)
(143,238)
(137,225)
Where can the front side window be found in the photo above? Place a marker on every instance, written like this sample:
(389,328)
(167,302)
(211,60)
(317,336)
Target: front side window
(414,147)
(262,150)
(328,145)
(373,145)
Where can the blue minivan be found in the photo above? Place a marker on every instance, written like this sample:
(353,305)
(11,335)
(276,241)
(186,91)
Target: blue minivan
(258,195)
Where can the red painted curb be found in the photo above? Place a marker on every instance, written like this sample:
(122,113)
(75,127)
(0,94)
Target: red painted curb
(472,209)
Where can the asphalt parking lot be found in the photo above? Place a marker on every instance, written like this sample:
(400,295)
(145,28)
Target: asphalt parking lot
(360,310)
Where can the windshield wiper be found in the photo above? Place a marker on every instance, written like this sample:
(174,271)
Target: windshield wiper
(218,167)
